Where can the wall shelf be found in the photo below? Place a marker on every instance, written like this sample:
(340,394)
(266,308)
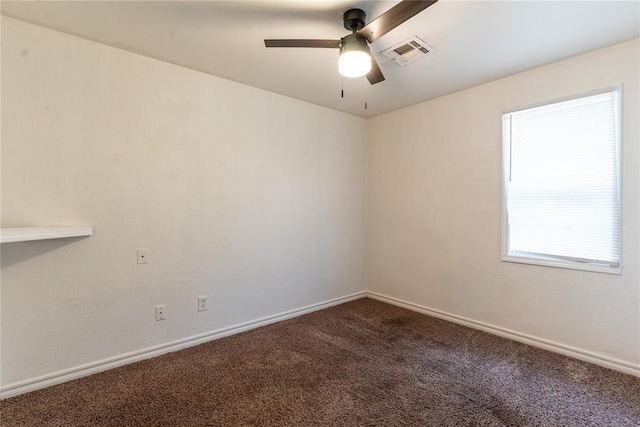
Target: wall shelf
(26,234)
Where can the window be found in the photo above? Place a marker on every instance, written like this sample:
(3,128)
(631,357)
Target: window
(562,203)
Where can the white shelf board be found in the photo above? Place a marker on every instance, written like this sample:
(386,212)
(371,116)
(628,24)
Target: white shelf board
(26,234)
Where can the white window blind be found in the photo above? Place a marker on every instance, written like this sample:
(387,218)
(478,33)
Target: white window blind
(562,182)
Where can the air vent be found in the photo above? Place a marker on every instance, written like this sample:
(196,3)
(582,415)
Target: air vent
(408,51)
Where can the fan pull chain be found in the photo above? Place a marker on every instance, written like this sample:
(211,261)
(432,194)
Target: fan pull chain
(342,88)
(365,92)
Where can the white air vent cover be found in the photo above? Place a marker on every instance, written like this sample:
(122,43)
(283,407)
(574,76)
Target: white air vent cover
(408,51)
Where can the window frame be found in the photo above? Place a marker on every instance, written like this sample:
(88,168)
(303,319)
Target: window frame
(554,261)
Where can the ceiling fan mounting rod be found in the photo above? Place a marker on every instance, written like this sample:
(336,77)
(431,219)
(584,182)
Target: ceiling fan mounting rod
(353,19)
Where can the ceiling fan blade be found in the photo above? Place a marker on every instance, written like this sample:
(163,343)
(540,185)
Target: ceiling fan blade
(375,75)
(334,44)
(395,16)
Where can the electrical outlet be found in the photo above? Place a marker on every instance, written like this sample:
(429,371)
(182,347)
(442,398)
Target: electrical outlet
(142,256)
(159,312)
(202,303)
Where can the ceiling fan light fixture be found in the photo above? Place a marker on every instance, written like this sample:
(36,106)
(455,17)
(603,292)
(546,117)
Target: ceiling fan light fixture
(355,58)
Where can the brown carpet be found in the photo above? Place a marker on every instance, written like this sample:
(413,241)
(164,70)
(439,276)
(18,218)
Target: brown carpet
(363,363)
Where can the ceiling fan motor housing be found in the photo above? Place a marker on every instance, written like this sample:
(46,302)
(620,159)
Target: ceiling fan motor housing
(353,42)
(353,19)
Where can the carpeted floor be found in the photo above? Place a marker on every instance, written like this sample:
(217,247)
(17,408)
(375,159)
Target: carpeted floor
(363,363)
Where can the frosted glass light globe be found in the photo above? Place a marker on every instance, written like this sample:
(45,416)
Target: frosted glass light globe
(355,59)
(354,63)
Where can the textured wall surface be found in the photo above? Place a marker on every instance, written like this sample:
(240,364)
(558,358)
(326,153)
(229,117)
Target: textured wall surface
(258,201)
(435,212)
(251,198)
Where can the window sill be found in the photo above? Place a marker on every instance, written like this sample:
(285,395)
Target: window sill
(563,264)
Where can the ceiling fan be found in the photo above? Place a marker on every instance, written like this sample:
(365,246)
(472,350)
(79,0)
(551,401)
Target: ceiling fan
(355,59)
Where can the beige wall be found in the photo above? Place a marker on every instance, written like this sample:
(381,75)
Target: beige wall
(435,212)
(258,201)
(251,198)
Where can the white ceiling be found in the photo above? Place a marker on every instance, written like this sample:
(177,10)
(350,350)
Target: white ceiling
(476,41)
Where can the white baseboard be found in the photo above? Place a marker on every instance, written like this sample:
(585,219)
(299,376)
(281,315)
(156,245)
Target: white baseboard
(577,353)
(124,359)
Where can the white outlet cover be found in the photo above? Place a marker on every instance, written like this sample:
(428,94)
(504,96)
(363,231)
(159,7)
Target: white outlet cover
(202,303)
(159,312)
